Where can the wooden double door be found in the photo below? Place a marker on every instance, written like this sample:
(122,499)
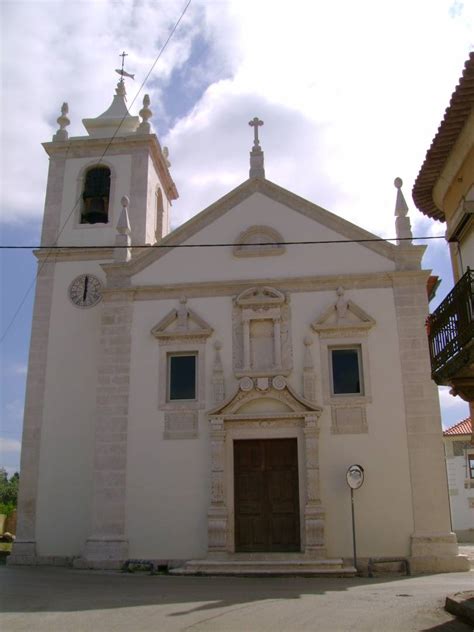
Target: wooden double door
(266,495)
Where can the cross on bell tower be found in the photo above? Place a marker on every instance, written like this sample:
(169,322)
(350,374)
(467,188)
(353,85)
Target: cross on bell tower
(257,169)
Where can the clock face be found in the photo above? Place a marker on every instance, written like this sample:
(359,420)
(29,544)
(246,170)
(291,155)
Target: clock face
(85,291)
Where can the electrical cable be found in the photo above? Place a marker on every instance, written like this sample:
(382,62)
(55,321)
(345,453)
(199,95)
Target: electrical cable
(54,246)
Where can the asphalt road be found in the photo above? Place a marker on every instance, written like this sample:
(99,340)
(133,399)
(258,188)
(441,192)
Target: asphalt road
(54,599)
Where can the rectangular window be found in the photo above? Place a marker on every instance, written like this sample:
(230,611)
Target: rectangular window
(182,377)
(346,371)
(471,465)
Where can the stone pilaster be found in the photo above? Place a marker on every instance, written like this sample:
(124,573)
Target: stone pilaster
(433,545)
(108,544)
(313,512)
(53,199)
(24,549)
(217,515)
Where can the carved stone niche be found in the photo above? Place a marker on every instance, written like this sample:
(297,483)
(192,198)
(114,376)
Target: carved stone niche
(261,333)
(259,241)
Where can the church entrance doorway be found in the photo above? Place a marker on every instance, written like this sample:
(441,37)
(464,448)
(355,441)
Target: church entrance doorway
(266,495)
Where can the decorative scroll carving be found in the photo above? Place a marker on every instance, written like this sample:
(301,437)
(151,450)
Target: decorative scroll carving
(181,425)
(218,383)
(309,375)
(261,333)
(314,513)
(349,420)
(259,241)
(217,514)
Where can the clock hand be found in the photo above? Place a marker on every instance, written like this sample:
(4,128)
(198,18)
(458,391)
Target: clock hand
(86,281)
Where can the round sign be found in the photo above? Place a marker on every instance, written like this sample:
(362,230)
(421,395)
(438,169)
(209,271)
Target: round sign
(355,476)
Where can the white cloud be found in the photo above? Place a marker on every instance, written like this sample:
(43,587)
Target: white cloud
(9,445)
(14,410)
(351,93)
(453,409)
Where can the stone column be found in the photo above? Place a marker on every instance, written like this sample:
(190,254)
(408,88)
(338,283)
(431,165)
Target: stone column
(217,515)
(24,548)
(433,546)
(107,545)
(313,512)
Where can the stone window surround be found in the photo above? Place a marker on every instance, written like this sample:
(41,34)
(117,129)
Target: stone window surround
(185,347)
(345,347)
(80,180)
(326,344)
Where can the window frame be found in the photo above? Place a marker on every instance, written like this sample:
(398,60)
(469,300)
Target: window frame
(177,354)
(360,366)
(470,465)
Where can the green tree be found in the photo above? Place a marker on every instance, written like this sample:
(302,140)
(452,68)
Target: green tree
(8,491)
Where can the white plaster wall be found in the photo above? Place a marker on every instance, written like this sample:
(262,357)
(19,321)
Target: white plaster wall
(76,234)
(168,480)
(218,264)
(67,439)
(461,514)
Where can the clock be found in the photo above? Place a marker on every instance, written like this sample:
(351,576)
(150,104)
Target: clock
(85,291)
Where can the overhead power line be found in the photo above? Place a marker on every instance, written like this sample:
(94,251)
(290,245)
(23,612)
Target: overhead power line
(54,246)
(307,242)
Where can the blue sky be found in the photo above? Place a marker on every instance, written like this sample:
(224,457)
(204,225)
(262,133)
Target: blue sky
(351,95)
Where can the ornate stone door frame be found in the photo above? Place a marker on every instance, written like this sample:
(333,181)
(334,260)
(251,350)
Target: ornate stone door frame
(292,417)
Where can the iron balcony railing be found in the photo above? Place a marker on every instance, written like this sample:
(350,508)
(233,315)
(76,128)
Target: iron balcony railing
(451,330)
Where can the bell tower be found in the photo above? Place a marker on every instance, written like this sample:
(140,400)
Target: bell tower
(110,187)
(89,175)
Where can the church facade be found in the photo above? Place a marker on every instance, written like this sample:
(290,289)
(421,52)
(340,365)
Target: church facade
(199,401)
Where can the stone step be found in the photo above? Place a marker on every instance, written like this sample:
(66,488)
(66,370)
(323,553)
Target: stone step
(272,567)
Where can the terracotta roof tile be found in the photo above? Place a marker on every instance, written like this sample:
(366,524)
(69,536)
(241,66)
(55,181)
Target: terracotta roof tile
(463,427)
(456,114)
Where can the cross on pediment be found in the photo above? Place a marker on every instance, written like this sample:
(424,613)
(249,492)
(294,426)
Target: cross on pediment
(255,123)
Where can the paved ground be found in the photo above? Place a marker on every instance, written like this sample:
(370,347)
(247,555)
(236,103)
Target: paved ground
(62,600)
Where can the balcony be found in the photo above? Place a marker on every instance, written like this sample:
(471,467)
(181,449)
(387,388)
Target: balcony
(451,333)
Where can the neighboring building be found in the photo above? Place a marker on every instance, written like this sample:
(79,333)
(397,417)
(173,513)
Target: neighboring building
(187,401)
(460,465)
(444,190)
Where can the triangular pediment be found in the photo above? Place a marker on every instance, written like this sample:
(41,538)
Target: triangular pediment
(343,314)
(180,235)
(257,397)
(180,323)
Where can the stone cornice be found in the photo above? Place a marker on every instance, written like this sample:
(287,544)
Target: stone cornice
(288,284)
(86,147)
(74,254)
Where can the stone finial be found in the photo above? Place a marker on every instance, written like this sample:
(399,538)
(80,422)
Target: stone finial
(402,222)
(166,154)
(257,168)
(182,313)
(123,240)
(145,113)
(63,121)
(341,305)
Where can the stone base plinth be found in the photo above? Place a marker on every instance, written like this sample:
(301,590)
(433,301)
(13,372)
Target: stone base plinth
(23,552)
(436,553)
(103,553)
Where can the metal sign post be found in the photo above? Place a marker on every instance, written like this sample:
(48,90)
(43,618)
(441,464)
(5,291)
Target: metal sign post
(354,478)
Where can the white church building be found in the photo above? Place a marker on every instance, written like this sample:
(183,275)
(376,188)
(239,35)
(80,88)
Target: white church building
(197,402)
